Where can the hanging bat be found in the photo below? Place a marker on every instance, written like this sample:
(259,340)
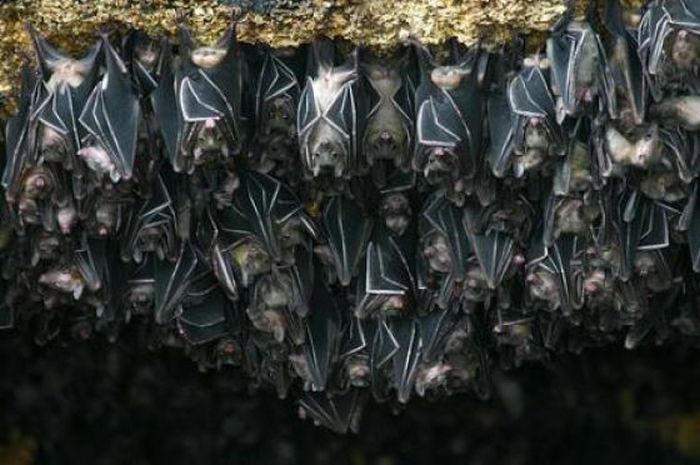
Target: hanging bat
(111,116)
(382,347)
(277,95)
(199,103)
(146,59)
(494,250)
(580,75)
(445,246)
(450,109)
(388,286)
(151,227)
(55,133)
(522,123)
(389,132)
(555,272)
(628,87)
(266,212)
(669,47)
(331,115)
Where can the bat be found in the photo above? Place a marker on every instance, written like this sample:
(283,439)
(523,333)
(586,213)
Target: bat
(389,132)
(450,112)
(626,68)
(669,46)
(151,227)
(493,249)
(522,123)
(580,73)
(331,114)
(146,59)
(55,133)
(199,102)
(267,211)
(555,272)
(111,117)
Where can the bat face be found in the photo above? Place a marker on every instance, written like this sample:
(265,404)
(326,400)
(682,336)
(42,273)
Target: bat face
(210,145)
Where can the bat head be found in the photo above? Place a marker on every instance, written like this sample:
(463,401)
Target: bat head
(66,217)
(328,154)
(38,183)
(448,77)
(251,260)
(357,370)
(647,150)
(210,144)
(140,296)
(208,57)
(29,210)
(385,140)
(544,285)
(684,49)
(46,245)
(437,251)
(53,146)
(396,211)
(441,166)
(279,116)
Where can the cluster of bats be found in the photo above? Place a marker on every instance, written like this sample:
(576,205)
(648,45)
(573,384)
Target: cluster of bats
(361,225)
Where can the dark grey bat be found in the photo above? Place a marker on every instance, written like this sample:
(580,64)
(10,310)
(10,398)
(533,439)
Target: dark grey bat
(205,319)
(147,60)
(330,117)
(55,134)
(581,77)
(151,227)
(389,133)
(522,123)
(626,69)
(111,116)
(407,357)
(669,46)
(450,109)
(267,211)
(199,105)
(555,272)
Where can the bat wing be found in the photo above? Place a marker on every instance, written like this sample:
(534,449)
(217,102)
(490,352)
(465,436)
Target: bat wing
(112,112)
(276,79)
(494,250)
(501,134)
(17,137)
(389,263)
(529,94)
(206,320)
(166,112)
(443,216)
(339,413)
(323,333)
(407,357)
(343,115)
(172,281)
(348,229)
(434,329)
(560,53)
(693,228)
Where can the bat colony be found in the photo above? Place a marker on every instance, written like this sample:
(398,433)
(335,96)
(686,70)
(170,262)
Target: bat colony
(341,227)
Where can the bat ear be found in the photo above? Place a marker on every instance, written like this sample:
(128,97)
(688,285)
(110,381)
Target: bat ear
(45,52)
(321,55)
(187,43)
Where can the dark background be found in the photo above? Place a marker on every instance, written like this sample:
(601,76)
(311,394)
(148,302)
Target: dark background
(100,403)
